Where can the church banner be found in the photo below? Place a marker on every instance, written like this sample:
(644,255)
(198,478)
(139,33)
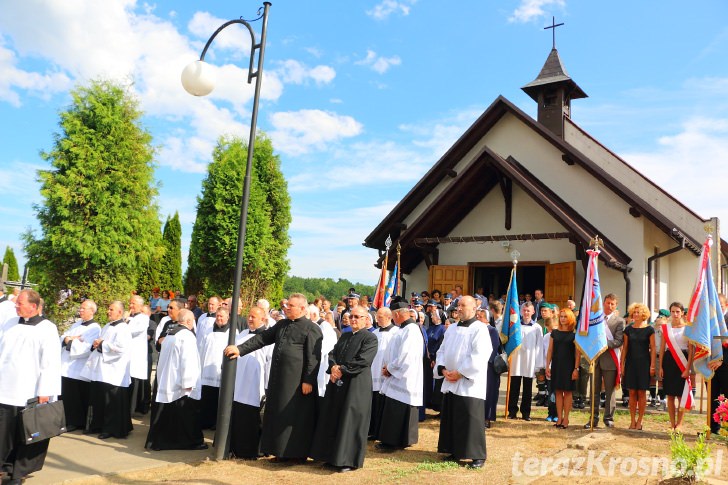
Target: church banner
(392,286)
(591,337)
(705,317)
(511,330)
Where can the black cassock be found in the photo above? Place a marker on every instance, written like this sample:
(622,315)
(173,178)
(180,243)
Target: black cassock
(341,433)
(289,421)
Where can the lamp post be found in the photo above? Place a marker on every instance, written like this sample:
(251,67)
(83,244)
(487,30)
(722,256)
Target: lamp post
(198,80)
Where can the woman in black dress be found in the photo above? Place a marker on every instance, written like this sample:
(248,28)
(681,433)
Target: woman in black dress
(638,357)
(562,365)
(673,378)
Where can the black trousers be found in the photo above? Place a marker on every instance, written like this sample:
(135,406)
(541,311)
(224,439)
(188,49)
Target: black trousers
(18,459)
(75,396)
(718,386)
(526,399)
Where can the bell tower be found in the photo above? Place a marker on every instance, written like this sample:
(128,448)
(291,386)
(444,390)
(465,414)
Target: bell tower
(553,90)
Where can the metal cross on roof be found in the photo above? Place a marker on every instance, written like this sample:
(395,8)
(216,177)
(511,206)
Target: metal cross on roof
(553,31)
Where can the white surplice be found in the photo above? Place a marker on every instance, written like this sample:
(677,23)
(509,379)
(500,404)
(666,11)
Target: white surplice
(327,345)
(204,326)
(251,376)
(211,357)
(529,355)
(404,363)
(138,325)
(111,365)
(383,339)
(466,350)
(178,369)
(74,359)
(30,364)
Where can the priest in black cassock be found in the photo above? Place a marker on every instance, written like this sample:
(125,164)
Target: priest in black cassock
(462,361)
(30,366)
(290,411)
(341,434)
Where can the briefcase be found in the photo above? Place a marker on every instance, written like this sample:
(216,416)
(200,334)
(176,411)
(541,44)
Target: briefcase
(42,421)
(500,364)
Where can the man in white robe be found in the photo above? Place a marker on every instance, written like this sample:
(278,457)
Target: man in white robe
(524,362)
(211,358)
(30,366)
(108,370)
(138,367)
(174,424)
(327,345)
(462,361)
(76,345)
(251,382)
(168,322)
(403,384)
(386,330)
(7,307)
(207,320)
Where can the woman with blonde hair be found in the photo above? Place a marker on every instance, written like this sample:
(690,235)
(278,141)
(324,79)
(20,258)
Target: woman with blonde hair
(638,357)
(562,365)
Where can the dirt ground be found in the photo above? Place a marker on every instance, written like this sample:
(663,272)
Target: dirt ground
(510,444)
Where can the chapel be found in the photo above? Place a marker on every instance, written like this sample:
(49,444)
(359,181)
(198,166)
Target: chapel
(540,190)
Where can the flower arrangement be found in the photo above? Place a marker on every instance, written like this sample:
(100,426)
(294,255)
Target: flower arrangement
(721,416)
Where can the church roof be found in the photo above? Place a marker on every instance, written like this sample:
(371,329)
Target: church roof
(479,184)
(553,72)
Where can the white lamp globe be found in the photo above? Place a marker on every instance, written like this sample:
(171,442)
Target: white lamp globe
(198,78)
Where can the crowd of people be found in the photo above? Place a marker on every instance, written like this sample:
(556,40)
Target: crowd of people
(318,381)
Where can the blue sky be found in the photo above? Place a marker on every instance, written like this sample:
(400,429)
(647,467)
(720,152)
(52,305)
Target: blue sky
(362,97)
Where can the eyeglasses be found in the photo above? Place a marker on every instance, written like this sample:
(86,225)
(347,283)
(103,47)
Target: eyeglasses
(357,316)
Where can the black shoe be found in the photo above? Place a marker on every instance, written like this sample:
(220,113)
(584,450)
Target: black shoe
(487,424)
(525,418)
(13,481)
(450,458)
(609,424)
(476,464)
(382,448)
(71,428)
(104,436)
(344,469)
(201,446)
(590,426)
(512,416)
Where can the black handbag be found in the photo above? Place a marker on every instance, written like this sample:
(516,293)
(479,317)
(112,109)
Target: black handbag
(42,421)
(500,364)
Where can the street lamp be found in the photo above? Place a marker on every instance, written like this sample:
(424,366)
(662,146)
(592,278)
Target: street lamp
(198,80)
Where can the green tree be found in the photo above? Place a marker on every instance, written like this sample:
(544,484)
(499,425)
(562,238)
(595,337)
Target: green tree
(171,267)
(211,263)
(332,290)
(9,259)
(99,222)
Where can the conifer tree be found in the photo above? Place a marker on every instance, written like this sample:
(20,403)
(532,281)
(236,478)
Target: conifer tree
(211,262)
(9,259)
(171,267)
(99,222)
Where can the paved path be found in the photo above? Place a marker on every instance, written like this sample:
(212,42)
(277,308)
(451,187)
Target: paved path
(74,455)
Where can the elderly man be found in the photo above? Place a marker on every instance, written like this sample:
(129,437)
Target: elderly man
(139,357)
(75,348)
(290,411)
(524,363)
(403,384)
(341,433)
(167,323)
(174,424)
(108,370)
(462,361)
(206,321)
(211,359)
(385,331)
(251,381)
(30,366)
(264,305)
(192,306)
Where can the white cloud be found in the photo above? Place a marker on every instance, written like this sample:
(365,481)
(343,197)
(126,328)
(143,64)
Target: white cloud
(234,38)
(15,79)
(379,64)
(386,8)
(688,165)
(295,72)
(298,132)
(529,10)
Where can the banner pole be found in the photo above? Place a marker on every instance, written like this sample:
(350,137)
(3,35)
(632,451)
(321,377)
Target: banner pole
(508,389)
(591,380)
(710,402)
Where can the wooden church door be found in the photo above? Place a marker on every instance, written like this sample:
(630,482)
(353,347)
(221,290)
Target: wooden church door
(559,285)
(445,278)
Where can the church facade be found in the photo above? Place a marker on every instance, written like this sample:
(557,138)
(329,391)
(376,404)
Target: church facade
(541,190)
